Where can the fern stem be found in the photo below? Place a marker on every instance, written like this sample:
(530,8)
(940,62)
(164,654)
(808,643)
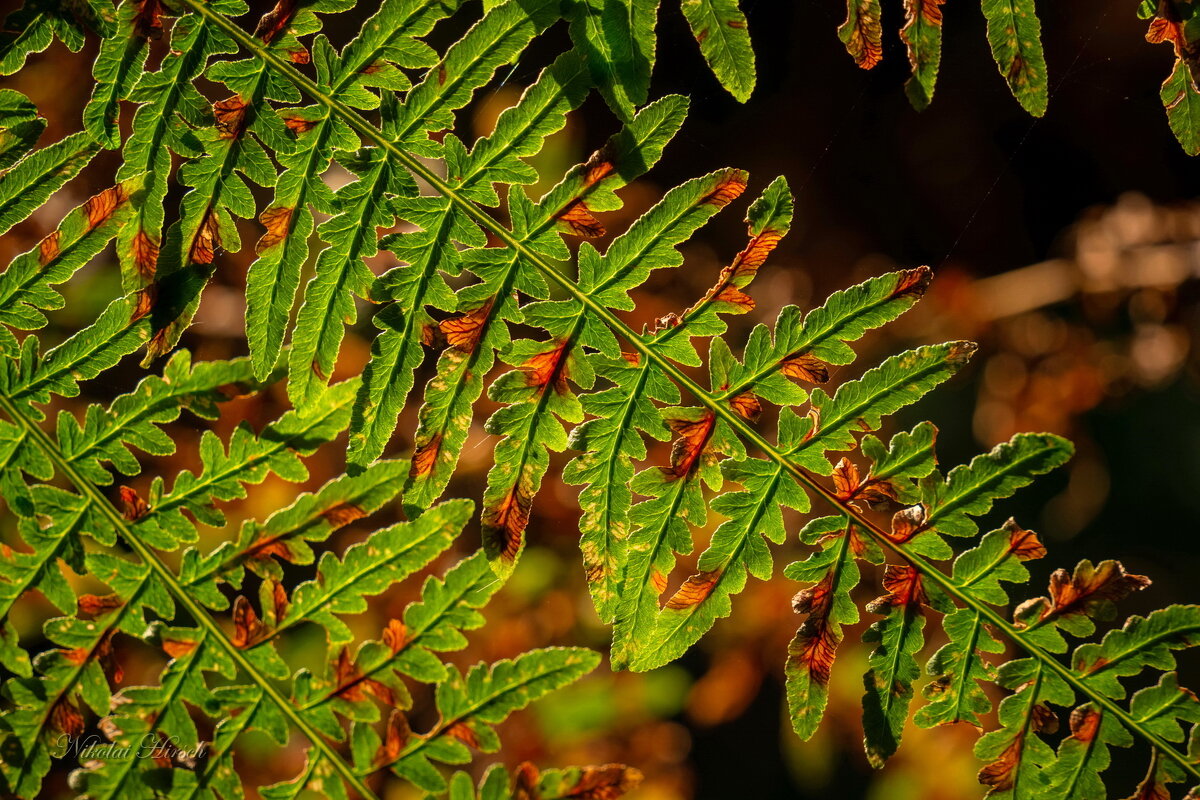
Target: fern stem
(179,592)
(669,368)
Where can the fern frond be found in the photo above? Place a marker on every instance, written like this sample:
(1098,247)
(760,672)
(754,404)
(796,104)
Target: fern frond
(617,41)
(1015,35)
(20,127)
(389,39)
(434,624)
(341,273)
(32,27)
(133,420)
(922,35)
(720,28)
(248,460)
(169,110)
(27,284)
(286,534)
(731,417)
(611,441)
(30,379)
(404,323)
(537,390)
(26,185)
(736,547)
(386,557)
(476,334)
(470,704)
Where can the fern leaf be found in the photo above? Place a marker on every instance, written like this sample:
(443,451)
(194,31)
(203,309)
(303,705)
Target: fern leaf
(1142,642)
(821,338)
(470,704)
(285,535)
(1015,35)
(340,272)
(538,388)
(922,35)
(434,624)
(248,460)
(1164,706)
(170,109)
(118,65)
(32,379)
(27,285)
(892,666)
(1181,99)
(468,65)
(132,420)
(862,32)
(617,40)
(20,127)
(898,382)
(720,28)
(370,567)
(396,352)
(40,566)
(1016,755)
(1075,599)
(37,23)
(1084,754)
(75,673)
(969,490)
(735,547)
(369,59)
(955,694)
(481,330)
(26,185)
(611,441)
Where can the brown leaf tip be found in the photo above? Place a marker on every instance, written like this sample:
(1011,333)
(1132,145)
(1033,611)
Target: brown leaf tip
(912,283)
(342,514)
(728,187)
(1023,544)
(504,524)
(133,507)
(695,590)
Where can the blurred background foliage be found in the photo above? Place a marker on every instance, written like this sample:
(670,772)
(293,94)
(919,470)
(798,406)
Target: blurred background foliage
(1068,246)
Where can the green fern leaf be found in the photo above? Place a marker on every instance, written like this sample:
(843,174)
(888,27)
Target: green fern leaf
(386,557)
(27,285)
(720,28)
(404,324)
(617,40)
(434,624)
(955,694)
(922,35)
(37,23)
(475,335)
(26,185)
(1015,35)
(20,127)
(169,111)
(248,460)
(285,535)
(969,490)
(1181,98)
(388,39)
(470,704)
(892,666)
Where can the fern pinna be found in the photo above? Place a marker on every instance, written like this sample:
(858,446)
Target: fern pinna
(552,346)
